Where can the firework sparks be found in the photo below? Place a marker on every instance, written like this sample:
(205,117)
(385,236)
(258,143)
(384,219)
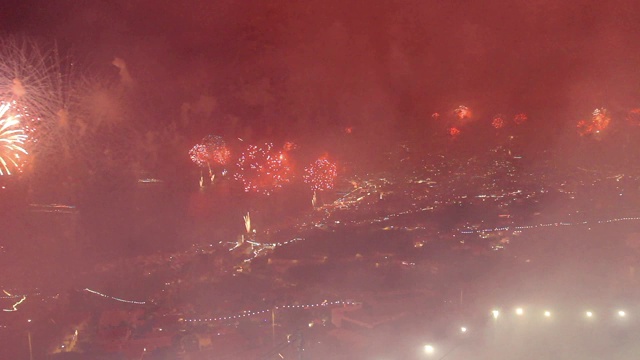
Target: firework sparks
(217,150)
(320,175)
(247,222)
(37,82)
(453,131)
(12,140)
(198,155)
(290,146)
(212,151)
(520,118)
(498,121)
(633,117)
(600,120)
(462,112)
(262,169)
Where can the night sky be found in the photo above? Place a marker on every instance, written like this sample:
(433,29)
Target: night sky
(383,64)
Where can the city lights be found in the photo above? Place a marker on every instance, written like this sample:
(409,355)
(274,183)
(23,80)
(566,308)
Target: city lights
(519,311)
(429,349)
(495,313)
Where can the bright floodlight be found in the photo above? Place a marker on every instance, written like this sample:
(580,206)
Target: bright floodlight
(463,329)
(589,314)
(495,313)
(547,313)
(520,311)
(429,349)
(621,313)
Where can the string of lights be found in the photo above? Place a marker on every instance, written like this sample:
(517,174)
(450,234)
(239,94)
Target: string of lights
(249,313)
(15,306)
(115,298)
(528,227)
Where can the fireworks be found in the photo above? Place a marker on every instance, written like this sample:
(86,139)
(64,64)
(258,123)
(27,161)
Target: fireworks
(462,112)
(217,149)
(12,140)
(633,117)
(247,222)
(212,150)
(520,118)
(290,146)
(600,120)
(36,81)
(498,121)
(320,175)
(453,131)
(262,169)
(199,155)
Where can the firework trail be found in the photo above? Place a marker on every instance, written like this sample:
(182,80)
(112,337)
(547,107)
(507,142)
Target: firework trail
(210,152)
(320,176)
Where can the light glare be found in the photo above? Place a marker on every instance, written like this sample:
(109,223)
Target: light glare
(495,314)
(429,349)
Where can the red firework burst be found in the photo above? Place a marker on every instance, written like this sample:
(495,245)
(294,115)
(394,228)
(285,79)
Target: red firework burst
(462,112)
(211,151)
(199,155)
(262,169)
(498,121)
(600,120)
(453,131)
(320,175)
(520,118)
(633,117)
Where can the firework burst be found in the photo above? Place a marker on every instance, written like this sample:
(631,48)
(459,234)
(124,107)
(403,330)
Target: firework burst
(453,131)
(262,169)
(633,117)
(498,121)
(217,150)
(600,120)
(37,79)
(520,118)
(462,112)
(12,141)
(320,175)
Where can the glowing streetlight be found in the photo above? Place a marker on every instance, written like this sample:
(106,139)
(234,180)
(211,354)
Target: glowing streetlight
(495,313)
(429,349)
(519,311)
(589,314)
(463,329)
(547,313)
(621,313)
